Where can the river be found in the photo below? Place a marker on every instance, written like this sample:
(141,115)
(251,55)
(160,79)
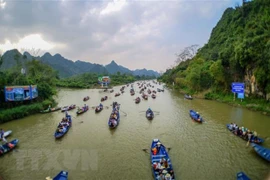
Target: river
(90,150)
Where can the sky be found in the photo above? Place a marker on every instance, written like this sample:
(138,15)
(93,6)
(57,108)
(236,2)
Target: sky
(135,33)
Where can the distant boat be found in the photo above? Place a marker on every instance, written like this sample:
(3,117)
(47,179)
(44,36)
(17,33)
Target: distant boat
(242,176)
(195,116)
(188,97)
(9,146)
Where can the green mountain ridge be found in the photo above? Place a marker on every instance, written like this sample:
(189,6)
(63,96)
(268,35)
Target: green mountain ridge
(238,50)
(66,67)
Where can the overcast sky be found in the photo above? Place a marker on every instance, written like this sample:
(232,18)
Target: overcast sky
(136,34)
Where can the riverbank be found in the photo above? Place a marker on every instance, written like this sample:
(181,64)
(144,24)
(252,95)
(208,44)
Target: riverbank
(253,104)
(24,110)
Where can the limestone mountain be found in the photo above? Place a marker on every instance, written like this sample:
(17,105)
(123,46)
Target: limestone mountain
(66,67)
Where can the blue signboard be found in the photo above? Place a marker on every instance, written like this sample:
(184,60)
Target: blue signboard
(20,93)
(241,95)
(238,87)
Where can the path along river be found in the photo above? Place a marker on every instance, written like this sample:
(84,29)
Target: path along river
(90,150)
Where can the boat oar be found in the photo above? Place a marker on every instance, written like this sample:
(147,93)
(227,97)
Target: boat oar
(123,112)
(247,143)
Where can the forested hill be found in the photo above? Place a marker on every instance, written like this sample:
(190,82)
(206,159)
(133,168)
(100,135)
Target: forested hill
(238,51)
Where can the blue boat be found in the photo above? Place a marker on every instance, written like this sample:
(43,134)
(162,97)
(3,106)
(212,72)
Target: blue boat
(99,108)
(195,116)
(242,176)
(258,141)
(58,134)
(263,152)
(149,114)
(115,116)
(157,157)
(63,175)
(82,110)
(9,146)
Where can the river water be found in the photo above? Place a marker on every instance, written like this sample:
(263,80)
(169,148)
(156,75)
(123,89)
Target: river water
(90,150)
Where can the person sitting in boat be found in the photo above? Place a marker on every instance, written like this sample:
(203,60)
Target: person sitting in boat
(168,176)
(160,176)
(2,136)
(165,163)
(255,136)
(85,107)
(158,145)
(100,105)
(249,134)
(154,150)
(60,129)
(115,116)
(10,145)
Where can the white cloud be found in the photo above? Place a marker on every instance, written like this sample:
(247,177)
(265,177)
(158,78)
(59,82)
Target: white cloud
(32,41)
(137,34)
(2,4)
(114,6)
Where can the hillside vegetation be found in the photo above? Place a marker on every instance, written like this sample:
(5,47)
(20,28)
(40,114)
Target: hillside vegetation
(238,51)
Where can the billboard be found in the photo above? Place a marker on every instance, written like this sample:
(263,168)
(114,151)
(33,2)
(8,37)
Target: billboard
(20,93)
(105,80)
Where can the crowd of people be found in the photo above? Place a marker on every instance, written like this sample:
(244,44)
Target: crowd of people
(243,132)
(63,125)
(114,115)
(162,168)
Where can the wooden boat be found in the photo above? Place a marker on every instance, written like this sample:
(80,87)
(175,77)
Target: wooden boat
(154,91)
(242,176)
(7,133)
(132,93)
(9,146)
(99,108)
(67,108)
(82,110)
(111,91)
(137,100)
(154,96)
(86,98)
(156,157)
(149,91)
(104,98)
(58,134)
(262,151)
(145,97)
(114,122)
(117,94)
(258,141)
(63,175)
(188,97)
(149,114)
(50,110)
(195,116)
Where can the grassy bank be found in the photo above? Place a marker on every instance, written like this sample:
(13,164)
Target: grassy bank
(23,111)
(251,103)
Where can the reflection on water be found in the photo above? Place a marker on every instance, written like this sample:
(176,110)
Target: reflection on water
(90,150)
